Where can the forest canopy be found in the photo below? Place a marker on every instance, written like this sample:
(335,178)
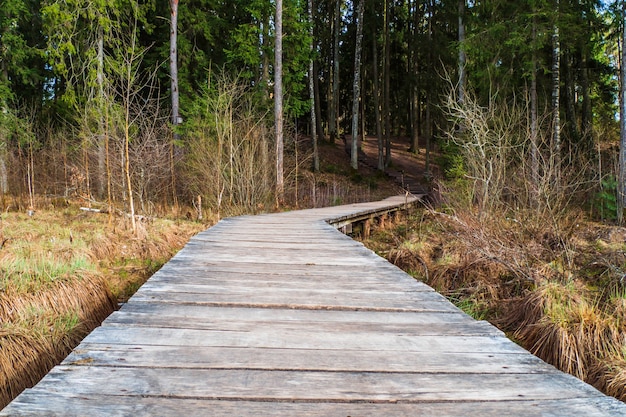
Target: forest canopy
(157,101)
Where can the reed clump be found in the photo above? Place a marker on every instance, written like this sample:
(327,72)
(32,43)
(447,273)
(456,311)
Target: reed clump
(38,329)
(61,274)
(517,236)
(559,292)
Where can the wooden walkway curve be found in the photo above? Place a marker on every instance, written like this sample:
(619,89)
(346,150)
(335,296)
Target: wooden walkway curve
(281,315)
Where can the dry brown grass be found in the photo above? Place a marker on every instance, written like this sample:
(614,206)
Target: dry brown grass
(38,330)
(61,274)
(557,288)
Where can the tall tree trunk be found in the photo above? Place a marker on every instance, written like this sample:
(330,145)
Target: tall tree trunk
(587,112)
(102,170)
(462,57)
(127,121)
(333,125)
(265,70)
(174,91)
(556,93)
(356,86)
(428,123)
(312,76)
(412,68)
(278,102)
(376,94)
(621,198)
(4,178)
(534,118)
(570,97)
(318,104)
(174,61)
(364,76)
(387,88)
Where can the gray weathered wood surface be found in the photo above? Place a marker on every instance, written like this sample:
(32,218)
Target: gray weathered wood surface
(282,315)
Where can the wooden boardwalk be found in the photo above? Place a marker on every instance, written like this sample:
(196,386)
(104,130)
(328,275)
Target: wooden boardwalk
(281,315)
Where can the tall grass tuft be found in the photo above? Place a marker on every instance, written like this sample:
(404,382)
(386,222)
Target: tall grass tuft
(39,329)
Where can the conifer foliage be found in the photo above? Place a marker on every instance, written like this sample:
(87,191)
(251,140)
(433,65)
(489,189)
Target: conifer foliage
(99,99)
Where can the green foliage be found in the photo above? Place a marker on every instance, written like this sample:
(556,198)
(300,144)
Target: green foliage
(229,146)
(248,51)
(28,274)
(606,198)
(451,161)
(20,69)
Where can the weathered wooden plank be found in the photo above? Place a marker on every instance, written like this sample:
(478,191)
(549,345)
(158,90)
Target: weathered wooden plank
(69,405)
(204,323)
(73,405)
(329,317)
(415,301)
(268,280)
(293,292)
(261,259)
(380,274)
(301,339)
(249,242)
(256,385)
(281,315)
(334,360)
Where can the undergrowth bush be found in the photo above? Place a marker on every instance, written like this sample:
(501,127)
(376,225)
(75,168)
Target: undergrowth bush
(511,243)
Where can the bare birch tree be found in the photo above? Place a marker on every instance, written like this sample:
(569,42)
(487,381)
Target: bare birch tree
(312,95)
(387,82)
(556,93)
(356,91)
(621,200)
(376,93)
(334,105)
(174,61)
(462,57)
(278,102)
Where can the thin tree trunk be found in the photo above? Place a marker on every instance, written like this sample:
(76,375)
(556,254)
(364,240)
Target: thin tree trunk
(4,179)
(622,151)
(312,97)
(265,71)
(318,104)
(376,93)
(108,164)
(387,92)
(413,67)
(363,128)
(102,178)
(278,102)
(174,62)
(534,119)
(31,175)
(174,91)
(462,57)
(127,122)
(356,92)
(333,125)
(587,112)
(428,116)
(570,97)
(556,92)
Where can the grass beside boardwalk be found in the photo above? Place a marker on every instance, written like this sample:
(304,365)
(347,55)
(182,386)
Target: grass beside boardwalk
(61,273)
(557,289)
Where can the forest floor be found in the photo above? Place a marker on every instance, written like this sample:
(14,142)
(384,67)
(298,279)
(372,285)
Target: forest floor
(63,269)
(557,288)
(554,282)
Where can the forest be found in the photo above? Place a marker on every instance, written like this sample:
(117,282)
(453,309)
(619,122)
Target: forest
(153,111)
(134,105)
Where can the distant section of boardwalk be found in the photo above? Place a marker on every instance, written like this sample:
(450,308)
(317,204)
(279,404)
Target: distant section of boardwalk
(282,315)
